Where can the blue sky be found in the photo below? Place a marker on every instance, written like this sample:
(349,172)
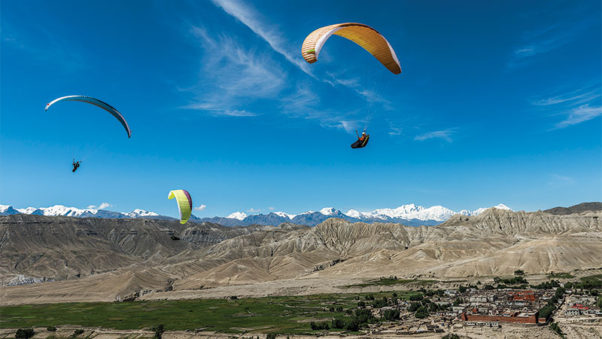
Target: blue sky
(498,102)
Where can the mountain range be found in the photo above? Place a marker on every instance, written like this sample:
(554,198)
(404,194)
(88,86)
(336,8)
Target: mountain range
(409,214)
(60,259)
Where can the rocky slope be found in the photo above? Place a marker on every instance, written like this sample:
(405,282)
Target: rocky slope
(496,242)
(62,247)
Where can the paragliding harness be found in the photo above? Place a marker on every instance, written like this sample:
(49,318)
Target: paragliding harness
(361,141)
(75,165)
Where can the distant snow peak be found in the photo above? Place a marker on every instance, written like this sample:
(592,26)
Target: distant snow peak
(354,213)
(7,210)
(285,215)
(237,215)
(328,211)
(141,213)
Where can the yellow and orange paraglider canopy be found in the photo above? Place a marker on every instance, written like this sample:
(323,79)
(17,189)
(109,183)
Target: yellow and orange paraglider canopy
(363,35)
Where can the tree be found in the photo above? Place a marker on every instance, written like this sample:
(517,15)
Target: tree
(24,333)
(421,312)
(353,325)
(159,330)
(271,336)
(413,307)
(416,297)
(338,323)
(462,289)
(554,327)
(519,272)
(391,315)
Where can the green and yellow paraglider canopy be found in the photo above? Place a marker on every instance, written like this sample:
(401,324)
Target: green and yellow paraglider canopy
(184,204)
(365,36)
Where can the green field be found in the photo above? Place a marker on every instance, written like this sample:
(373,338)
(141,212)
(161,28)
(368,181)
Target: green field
(561,275)
(290,315)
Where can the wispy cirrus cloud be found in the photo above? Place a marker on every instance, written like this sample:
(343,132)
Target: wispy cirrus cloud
(547,39)
(237,77)
(577,105)
(271,34)
(200,208)
(579,115)
(252,19)
(48,48)
(445,134)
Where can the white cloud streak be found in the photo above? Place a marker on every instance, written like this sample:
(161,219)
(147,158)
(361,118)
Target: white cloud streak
(577,106)
(545,40)
(237,76)
(251,18)
(579,115)
(273,37)
(200,208)
(442,134)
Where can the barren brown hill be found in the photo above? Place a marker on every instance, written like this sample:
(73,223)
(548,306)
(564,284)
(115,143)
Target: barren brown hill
(580,208)
(63,247)
(299,259)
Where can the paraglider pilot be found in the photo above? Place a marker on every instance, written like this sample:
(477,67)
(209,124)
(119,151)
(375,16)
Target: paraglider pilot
(75,165)
(362,141)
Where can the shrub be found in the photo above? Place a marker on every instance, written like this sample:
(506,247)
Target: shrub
(159,330)
(77,332)
(413,307)
(331,309)
(462,289)
(451,336)
(51,329)
(370,297)
(339,309)
(338,323)
(353,325)
(554,327)
(391,315)
(319,326)
(416,297)
(421,312)
(24,333)
(361,304)
(271,336)
(519,272)
(379,303)
(363,316)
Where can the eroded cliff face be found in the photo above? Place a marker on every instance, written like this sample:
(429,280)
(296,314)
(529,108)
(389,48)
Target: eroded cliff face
(139,255)
(62,247)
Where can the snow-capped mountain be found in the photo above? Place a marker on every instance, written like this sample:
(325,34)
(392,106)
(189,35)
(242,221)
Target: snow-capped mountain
(409,214)
(237,215)
(7,210)
(60,210)
(138,213)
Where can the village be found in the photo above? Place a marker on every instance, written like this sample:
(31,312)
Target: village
(458,310)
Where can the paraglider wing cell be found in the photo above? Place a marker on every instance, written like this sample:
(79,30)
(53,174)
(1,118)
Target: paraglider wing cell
(184,204)
(363,35)
(95,102)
